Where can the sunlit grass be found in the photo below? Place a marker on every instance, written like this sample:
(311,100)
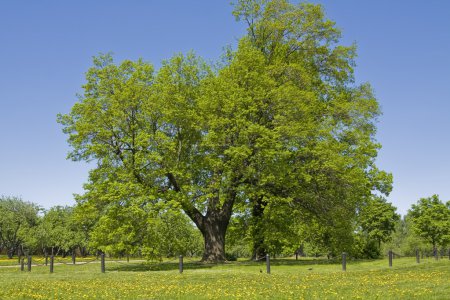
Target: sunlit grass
(289,279)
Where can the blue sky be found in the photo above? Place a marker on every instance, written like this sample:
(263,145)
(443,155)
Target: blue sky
(47,46)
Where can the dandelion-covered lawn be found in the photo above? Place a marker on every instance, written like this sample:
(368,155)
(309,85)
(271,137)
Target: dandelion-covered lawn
(241,280)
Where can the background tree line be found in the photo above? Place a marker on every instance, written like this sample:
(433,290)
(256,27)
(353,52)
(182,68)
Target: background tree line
(25,228)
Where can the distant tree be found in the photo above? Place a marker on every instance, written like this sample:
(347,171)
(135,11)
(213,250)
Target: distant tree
(172,234)
(119,230)
(404,239)
(430,218)
(57,231)
(16,218)
(378,218)
(156,234)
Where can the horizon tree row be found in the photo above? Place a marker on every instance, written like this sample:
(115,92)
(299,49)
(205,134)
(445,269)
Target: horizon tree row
(25,228)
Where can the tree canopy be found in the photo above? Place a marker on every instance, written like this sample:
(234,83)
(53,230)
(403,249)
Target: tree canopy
(431,220)
(16,219)
(57,232)
(377,221)
(279,128)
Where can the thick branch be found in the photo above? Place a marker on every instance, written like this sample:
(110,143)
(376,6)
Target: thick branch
(192,212)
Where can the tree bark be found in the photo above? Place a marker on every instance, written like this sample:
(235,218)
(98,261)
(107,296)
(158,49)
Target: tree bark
(214,236)
(213,227)
(259,249)
(10,253)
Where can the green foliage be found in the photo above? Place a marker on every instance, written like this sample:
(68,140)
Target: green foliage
(426,221)
(56,232)
(430,220)
(404,240)
(119,231)
(321,156)
(131,229)
(27,227)
(17,217)
(172,234)
(377,220)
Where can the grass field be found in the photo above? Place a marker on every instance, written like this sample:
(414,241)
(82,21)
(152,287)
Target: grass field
(289,279)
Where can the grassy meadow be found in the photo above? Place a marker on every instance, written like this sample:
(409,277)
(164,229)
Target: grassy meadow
(289,279)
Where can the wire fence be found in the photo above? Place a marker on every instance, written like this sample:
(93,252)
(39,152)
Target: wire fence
(191,262)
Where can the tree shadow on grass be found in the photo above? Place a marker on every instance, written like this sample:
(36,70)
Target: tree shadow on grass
(318,261)
(193,265)
(290,262)
(152,266)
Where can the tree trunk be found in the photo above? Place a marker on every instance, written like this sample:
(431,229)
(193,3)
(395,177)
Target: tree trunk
(259,249)
(213,225)
(10,253)
(214,237)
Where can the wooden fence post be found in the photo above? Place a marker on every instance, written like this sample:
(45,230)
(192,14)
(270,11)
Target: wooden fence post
(344,261)
(29,263)
(52,260)
(390,258)
(180,264)
(102,263)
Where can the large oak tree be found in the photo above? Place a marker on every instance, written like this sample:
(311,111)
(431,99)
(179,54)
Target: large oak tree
(279,124)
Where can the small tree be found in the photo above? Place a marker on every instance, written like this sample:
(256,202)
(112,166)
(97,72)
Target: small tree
(377,219)
(431,220)
(404,240)
(58,232)
(120,230)
(16,217)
